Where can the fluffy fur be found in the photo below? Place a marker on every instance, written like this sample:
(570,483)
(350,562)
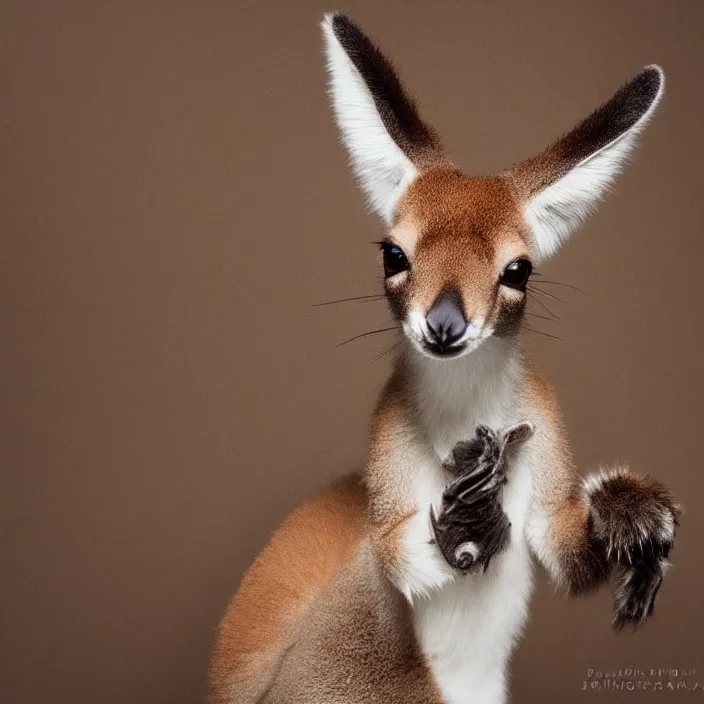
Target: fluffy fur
(582,165)
(411,582)
(384,136)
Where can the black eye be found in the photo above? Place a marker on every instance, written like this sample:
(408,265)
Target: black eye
(517,273)
(395,261)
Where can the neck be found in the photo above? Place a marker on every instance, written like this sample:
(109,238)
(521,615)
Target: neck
(450,397)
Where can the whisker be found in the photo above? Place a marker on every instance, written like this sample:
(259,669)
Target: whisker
(387,350)
(540,332)
(544,307)
(559,283)
(365,334)
(545,293)
(376,296)
(542,317)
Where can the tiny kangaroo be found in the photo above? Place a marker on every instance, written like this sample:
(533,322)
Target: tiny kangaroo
(410,582)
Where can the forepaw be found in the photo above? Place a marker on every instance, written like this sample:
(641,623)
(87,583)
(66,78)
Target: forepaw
(634,518)
(636,588)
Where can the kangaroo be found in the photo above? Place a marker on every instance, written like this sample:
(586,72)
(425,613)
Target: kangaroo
(410,582)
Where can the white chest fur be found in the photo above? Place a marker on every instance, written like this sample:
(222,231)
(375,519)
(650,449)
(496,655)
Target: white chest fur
(468,627)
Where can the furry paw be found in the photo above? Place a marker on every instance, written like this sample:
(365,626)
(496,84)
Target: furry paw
(472,526)
(634,519)
(636,589)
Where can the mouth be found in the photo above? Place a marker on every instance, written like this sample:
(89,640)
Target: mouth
(437,351)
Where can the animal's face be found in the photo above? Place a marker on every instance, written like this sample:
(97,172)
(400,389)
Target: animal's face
(456,262)
(459,251)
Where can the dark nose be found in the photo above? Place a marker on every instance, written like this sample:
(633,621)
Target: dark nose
(445,319)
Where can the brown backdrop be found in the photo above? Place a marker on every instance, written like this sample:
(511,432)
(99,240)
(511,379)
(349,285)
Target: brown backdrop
(174,201)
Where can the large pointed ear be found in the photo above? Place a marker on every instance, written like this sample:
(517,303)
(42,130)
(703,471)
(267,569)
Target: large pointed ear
(388,142)
(563,184)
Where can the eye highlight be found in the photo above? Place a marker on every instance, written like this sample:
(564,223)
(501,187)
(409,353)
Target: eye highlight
(395,261)
(516,274)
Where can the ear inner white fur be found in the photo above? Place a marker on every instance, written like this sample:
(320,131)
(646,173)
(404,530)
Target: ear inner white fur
(565,183)
(380,127)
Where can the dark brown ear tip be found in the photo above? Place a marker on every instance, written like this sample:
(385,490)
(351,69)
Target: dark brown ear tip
(655,70)
(648,83)
(334,19)
(341,24)
(358,46)
(655,74)
(637,98)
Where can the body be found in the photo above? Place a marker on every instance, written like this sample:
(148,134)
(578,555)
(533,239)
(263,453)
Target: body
(462,632)
(468,625)
(410,582)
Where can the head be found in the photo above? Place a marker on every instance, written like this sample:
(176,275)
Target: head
(459,250)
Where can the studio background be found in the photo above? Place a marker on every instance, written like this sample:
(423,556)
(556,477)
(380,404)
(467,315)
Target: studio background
(175,200)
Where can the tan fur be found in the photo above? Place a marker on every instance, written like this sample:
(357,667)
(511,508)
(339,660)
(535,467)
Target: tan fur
(569,526)
(318,607)
(394,426)
(557,486)
(301,557)
(315,605)
(321,617)
(312,602)
(460,233)
(357,644)
(317,621)
(558,480)
(445,198)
